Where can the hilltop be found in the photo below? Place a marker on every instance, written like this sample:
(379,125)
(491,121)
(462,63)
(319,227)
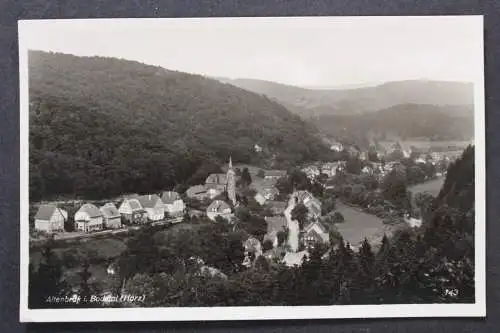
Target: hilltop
(103,126)
(317,102)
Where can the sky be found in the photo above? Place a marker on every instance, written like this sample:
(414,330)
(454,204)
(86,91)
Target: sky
(312,52)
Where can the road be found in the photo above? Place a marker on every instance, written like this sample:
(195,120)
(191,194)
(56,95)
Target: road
(293,226)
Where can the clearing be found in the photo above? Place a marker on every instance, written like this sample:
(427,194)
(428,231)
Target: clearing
(358,225)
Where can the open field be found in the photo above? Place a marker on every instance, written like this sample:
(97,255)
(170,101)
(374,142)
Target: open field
(432,187)
(359,225)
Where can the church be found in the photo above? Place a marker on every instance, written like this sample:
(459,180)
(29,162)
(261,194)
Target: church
(223,182)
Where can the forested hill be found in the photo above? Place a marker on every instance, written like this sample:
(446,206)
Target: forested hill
(447,122)
(318,102)
(458,188)
(104,126)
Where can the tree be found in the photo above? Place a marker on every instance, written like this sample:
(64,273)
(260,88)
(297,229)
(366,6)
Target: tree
(327,205)
(267,245)
(354,165)
(85,292)
(300,213)
(282,236)
(246,178)
(46,282)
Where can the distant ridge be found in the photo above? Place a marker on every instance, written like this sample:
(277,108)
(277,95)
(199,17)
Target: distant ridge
(309,102)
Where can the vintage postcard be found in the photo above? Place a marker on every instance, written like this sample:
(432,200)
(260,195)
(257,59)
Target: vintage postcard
(252,168)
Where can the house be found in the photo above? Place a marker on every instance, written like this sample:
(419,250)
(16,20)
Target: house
(89,218)
(265,190)
(219,208)
(367,170)
(278,207)
(174,205)
(274,174)
(154,207)
(111,216)
(132,211)
(216,181)
(336,146)
(312,204)
(315,233)
(294,258)
(311,171)
(50,219)
(275,224)
(253,248)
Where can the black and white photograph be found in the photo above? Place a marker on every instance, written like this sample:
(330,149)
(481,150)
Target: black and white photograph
(252,168)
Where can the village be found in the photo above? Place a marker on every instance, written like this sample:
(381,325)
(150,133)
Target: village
(297,219)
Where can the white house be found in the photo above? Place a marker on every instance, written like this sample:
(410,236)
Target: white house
(314,233)
(89,218)
(50,219)
(111,216)
(132,211)
(154,207)
(219,208)
(174,205)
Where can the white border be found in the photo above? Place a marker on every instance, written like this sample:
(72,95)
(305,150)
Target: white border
(266,312)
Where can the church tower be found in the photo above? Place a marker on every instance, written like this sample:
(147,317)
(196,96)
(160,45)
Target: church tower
(231,183)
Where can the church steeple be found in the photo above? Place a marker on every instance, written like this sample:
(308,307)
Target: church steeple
(231,182)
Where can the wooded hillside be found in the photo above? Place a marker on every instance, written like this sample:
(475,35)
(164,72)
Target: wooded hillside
(103,126)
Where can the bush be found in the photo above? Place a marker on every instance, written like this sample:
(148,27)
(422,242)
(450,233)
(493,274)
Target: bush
(338,217)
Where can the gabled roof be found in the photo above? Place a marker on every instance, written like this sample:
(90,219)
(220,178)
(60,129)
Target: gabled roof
(321,226)
(134,204)
(275,223)
(168,197)
(196,189)
(218,206)
(45,212)
(90,209)
(149,200)
(278,205)
(109,210)
(216,178)
(274,173)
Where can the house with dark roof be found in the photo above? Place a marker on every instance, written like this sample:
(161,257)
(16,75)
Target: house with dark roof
(174,205)
(50,219)
(111,216)
(132,211)
(154,207)
(89,218)
(219,208)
